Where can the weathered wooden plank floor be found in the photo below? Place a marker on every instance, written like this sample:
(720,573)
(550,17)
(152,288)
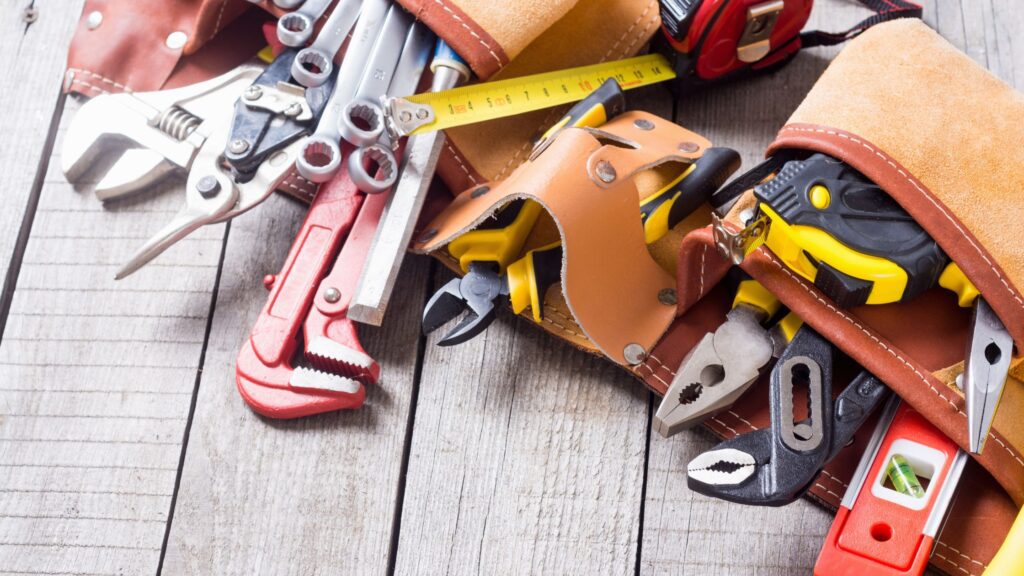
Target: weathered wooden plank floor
(124,448)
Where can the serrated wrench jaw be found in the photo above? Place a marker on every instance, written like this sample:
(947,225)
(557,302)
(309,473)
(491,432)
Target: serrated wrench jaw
(333,358)
(722,467)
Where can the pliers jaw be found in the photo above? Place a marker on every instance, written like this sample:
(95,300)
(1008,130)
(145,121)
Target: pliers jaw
(722,366)
(477,294)
(775,466)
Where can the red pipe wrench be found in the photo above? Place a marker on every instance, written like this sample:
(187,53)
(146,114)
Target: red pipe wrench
(282,373)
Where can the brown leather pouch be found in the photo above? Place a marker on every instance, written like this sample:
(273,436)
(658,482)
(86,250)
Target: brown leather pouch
(941,136)
(589,183)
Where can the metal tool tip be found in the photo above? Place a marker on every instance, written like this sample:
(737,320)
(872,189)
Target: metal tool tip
(366,314)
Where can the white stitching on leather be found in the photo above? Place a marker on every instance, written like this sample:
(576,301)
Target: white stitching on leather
(470,30)
(458,159)
(99,77)
(220,15)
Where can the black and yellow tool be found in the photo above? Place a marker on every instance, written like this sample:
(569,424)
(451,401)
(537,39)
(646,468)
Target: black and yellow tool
(489,254)
(832,226)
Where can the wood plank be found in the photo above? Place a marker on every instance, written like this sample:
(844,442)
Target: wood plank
(527,455)
(688,533)
(35,55)
(96,380)
(292,497)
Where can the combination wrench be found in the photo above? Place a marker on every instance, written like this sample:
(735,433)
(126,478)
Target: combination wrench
(379,28)
(295,28)
(383,171)
(313,65)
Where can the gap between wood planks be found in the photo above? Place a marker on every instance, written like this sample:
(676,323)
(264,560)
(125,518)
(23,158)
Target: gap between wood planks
(195,395)
(28,217)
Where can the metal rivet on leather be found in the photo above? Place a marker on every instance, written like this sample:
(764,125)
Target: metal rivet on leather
(689,147)
(427,236)
(94,19)
(176,40)
(644,124)
(667,296)
(605,171)
(479,191)
(634,353)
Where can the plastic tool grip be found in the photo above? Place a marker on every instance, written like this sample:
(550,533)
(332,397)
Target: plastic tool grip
(880,530)
(840,230)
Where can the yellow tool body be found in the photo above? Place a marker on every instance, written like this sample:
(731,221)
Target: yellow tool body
(796,245)
(498,244)
(1009,560)
(491,100)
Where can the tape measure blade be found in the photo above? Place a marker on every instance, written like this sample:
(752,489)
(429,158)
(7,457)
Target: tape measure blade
(502,98)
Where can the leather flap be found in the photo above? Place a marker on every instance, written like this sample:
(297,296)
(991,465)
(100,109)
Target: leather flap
(609,278)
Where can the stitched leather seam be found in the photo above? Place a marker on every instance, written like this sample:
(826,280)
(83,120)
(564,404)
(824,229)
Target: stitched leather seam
(458,160)
(827,491)
(924,191)
(958,567)
(834,479)
(959,553)
(87,85)
(99,77)
(799,281)
(216,25)
(549,118)
(462,23)
(630,29)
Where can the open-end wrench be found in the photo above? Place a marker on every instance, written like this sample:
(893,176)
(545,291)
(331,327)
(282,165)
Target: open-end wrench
(313,65)
(321,156)
(295,28)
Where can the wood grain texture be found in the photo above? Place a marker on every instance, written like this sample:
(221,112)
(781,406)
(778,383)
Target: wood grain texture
(527,455)
(309,496)
(34,56)
(96,378)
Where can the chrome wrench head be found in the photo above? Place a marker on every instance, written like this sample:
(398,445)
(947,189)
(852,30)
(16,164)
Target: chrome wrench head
(373,169)
(321,159)
(313,65)
(295,28)
(362,122)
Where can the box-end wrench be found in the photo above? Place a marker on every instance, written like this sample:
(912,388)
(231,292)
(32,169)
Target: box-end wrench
(321,156)
(295,28)
(383,167)
(313,65)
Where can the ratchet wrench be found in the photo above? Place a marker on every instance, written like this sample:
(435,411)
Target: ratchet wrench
(374,31)
(313,65)
(295,28)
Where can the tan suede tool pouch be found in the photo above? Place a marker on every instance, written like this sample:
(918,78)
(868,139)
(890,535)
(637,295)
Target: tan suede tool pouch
(614,287)
(943,137)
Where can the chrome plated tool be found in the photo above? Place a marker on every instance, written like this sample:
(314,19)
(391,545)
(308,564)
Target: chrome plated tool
(405,202)
(986,365)
(296,28)
(313,65)
(321,156)
(724,364)
(775,466)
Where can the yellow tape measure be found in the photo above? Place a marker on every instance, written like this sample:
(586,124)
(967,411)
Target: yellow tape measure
(490,100)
